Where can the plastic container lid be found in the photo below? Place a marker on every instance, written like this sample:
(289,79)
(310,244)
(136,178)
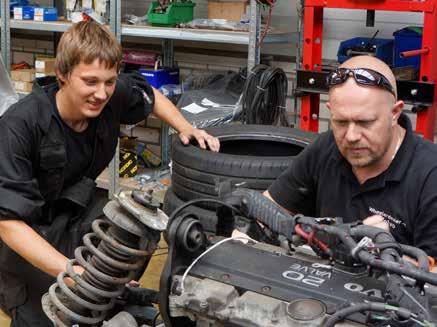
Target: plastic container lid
(409,31)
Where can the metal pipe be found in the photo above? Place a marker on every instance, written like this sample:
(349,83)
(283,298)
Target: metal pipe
(414,53)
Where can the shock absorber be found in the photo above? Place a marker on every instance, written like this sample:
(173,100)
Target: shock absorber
(113,254)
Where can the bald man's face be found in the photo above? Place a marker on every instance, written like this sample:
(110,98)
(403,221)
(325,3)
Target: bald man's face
(362,122)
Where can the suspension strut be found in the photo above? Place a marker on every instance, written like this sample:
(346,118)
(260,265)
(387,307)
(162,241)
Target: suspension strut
(113,254)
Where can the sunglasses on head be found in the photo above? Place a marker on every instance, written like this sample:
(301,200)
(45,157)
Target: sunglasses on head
(363,76)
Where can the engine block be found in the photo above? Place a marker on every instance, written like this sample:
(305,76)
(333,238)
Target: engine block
(260,285)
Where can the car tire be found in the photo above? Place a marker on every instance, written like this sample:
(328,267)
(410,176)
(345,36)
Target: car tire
(250,156)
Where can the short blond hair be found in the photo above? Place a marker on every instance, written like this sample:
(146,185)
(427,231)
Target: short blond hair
(85,42)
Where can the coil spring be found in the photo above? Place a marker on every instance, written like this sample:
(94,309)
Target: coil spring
(111,256)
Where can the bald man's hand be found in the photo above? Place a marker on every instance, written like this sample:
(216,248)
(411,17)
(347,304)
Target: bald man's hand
(376,221)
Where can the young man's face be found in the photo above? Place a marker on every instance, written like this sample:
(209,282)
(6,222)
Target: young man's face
(362,121)
(89,87)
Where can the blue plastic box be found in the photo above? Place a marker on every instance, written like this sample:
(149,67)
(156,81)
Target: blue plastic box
(406,39)
(17,3)
(23,12)
(160,77)
(384,48)
(44,14)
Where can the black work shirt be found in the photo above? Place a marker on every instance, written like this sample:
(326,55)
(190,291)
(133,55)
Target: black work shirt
(320,183)
(78,145)
(33,147)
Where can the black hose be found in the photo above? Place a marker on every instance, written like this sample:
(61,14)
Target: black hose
(386,239)
(264,97)
(392,249)
(189,203)
(396,268)
(375,233)
(369,306)
(418,254)
(369,258)
(259,207)
(155,319)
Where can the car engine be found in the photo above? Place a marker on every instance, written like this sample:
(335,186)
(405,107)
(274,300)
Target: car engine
(350,275)
(293,271)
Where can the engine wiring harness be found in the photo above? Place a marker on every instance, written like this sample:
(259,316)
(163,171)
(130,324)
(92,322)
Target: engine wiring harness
(369,250)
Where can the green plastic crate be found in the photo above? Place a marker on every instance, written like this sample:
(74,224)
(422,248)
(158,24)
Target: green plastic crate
(175,13)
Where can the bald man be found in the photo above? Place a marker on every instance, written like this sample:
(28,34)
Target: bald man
(370,166)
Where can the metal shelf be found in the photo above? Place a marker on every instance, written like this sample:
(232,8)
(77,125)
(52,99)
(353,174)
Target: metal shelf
(58,26)
(167,35)
(202,35)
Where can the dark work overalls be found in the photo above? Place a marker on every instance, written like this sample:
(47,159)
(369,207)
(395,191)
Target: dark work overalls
(60,213)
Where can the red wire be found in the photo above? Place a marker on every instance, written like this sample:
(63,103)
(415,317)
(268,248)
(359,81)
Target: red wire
(311,238)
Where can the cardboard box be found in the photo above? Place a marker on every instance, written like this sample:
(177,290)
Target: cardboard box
(45,65)
(23,75)
(230,10)
(43,14)
(24,87)
(24,12)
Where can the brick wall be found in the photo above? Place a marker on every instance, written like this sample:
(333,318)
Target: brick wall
(25,48)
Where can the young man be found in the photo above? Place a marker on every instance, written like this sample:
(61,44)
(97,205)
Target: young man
(370,166)
(53,145)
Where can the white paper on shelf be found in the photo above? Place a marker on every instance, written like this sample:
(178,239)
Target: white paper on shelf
(207,102)
(194,108)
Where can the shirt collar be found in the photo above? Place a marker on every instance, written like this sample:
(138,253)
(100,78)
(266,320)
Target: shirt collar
(45,88)
(40,89)
(405,154)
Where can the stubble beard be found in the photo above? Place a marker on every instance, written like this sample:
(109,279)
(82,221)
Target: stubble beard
(369,159)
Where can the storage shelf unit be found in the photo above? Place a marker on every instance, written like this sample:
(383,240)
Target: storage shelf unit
(40,26)
(167,35)
(203,35)
(312,53)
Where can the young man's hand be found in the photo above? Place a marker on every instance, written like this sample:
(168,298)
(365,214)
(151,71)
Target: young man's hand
(167,112)
(78,270)
(202,137)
